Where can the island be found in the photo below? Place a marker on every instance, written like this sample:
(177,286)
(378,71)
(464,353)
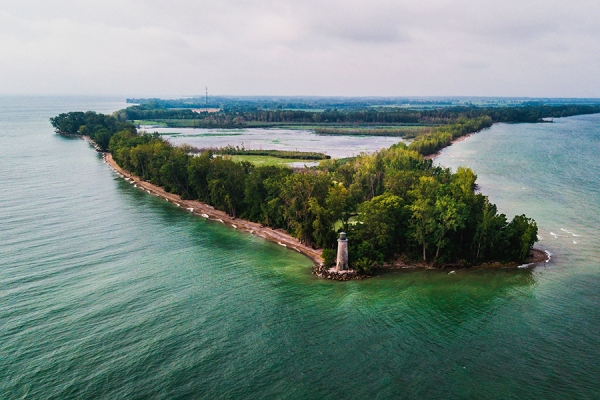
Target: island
(394,207)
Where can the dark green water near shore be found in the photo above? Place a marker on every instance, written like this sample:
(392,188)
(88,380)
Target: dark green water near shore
(107,292)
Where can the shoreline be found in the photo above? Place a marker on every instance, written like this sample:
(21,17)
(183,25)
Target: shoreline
(536,257)
(284,239)
(460,139)
(200,209)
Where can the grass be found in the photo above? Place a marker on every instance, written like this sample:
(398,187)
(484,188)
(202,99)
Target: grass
(149,122)
(268,160)
(289,154)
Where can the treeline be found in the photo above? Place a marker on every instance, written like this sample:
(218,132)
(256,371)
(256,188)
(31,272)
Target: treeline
(254,103)
(529,113)
(442,115)
(400,131)
(440,137)
(99,127)
(241,151)
(232,118)
(390,203)
(152,111)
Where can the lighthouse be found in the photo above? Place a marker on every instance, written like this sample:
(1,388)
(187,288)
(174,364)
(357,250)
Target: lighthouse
(342,253)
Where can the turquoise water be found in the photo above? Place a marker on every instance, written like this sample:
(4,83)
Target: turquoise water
(107,292)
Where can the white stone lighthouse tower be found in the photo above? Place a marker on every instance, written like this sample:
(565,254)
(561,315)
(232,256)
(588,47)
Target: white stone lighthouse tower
(342,253)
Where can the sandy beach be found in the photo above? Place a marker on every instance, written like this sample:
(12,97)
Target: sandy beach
(460,139)
(200,209)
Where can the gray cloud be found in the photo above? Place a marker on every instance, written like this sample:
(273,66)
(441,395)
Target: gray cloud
(378,47)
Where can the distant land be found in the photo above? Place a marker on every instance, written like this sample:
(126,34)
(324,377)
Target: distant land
(316,103)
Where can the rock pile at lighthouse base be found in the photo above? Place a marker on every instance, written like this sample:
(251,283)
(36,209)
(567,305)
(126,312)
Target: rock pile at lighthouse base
(332,273)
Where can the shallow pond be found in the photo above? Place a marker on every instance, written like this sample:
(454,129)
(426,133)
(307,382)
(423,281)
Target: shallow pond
(277,139)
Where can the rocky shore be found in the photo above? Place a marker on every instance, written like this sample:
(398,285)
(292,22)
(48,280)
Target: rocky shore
(196,207)
(350,275)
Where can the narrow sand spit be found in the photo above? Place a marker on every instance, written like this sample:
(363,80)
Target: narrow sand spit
(204,210)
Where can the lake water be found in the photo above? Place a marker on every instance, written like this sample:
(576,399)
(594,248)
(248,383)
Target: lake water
(278,139)
(107,292)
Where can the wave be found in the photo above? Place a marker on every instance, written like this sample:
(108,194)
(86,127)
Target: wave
(569,232)
(526,265)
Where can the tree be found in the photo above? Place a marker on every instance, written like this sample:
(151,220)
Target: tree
(449,215)
(381,222)
(489,231)
(423,211)
(522,234)
(296,192)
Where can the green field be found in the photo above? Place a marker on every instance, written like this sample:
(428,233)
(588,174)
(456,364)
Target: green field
(268,160)
(149,122)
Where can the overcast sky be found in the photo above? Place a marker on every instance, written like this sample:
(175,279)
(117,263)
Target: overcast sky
(537,48)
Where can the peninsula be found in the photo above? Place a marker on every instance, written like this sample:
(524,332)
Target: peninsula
(393,204)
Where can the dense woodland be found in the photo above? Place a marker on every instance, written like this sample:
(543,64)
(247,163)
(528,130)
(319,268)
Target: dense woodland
(99,127)
(391,203)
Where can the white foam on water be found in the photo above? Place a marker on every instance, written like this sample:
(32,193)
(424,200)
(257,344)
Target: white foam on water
(554,234)
(549,255)
(204,215)
(451,272)
(569,232)
(539,237)
(574,242)
(235,227)
(190,209)
(281,244)
(526,265)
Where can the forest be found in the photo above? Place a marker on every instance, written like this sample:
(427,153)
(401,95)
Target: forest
(392,203)
(99,127)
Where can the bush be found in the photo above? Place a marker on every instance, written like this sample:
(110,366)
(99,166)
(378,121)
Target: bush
(329,256)
(364,266)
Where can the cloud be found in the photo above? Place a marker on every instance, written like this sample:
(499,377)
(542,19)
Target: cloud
(378,47)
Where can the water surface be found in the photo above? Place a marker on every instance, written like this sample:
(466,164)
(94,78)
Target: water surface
(278,139)
(108,292)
